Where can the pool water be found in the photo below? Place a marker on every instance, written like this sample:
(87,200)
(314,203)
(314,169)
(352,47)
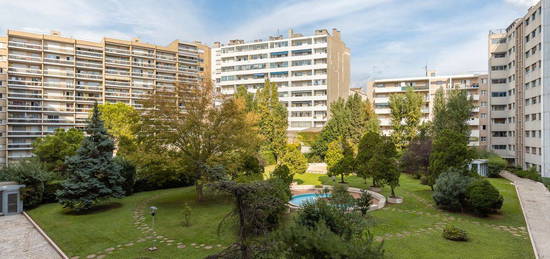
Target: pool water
(298,200)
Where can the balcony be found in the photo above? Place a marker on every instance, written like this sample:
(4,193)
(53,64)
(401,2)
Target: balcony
(59,98)
(19,146)
(88,99)
(25,58)
(143,54)
(58,85)
(166,78)
(24,96)
(89,64)
(145,86)
(60,73)
(58,121)
(59,49)
(144,75)
(117,51)
(188,60)
(166,68)
(59,109)
(166,58)
(89,76)
(117,84)
(90,54)
(93,88)
(26,71)
(143,64)
(117,95)
(25,133)
(59,61)
(24,45)
(24,120)
(24,83)
(23,108)
(117,62)
(110,72)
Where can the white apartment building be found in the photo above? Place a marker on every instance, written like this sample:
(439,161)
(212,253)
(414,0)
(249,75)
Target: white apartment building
(379,92)
(520,104)
(310,72)
(49,81)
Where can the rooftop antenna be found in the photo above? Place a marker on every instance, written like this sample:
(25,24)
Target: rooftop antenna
(426,69)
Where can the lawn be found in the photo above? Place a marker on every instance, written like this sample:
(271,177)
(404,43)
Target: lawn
(409,230)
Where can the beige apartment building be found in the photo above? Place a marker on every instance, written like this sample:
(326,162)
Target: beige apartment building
(50,81)
(310,72)
(519,128)
(379,92)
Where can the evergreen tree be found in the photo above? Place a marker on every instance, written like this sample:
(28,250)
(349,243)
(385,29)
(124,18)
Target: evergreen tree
(451,133)
(273,120)
(93,175)
(340,159)
(365,152)
(406,114)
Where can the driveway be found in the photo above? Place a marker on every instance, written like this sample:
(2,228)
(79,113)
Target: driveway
(19,239)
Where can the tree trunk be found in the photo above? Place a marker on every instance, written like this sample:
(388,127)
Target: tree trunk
(342,178)
(392,192)
(199,190)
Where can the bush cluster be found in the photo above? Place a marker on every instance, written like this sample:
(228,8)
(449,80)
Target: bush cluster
(531,173)
(454,233)
(456,191)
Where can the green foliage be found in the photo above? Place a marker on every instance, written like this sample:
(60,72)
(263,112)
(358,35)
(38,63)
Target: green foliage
(186,215)
(30,173)
(128,171)
(405,114)
(531,173)
(349,119)
(50,189)
(496,164)
(482,197)
(248,98)
(53,149)
(363,202)
(250,169)
(365,152)
(121,121)
(93,175)
(383,166)
(283,173)
(451,133)
(416,158)
(454,233)
(308,138)
(273,120)
(450,190)
(341,198)
(340,159)
(294,160)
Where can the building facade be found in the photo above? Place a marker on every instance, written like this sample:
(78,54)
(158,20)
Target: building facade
(310,72)
(379,92)
(49,81)
(520,105)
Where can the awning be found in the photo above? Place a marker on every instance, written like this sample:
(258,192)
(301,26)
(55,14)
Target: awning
(279,53)
(302,51)
(279,73)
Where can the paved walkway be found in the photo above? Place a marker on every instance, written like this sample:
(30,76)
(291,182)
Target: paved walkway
(535,202)
(317,168)
(19,239)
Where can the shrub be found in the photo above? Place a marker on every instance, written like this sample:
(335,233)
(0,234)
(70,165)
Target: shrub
(450,190)
(186,213)
(30,173)
(128,171)
(338,221)
(363,202)
(294,159)
(453,233)
(282,172)
(531,173)
(49,191)
(482,197)
(496,164)
(341,198)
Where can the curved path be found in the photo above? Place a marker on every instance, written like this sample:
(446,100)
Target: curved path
(535,203)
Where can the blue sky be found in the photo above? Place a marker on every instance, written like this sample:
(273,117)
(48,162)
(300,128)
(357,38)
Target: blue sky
(387,38)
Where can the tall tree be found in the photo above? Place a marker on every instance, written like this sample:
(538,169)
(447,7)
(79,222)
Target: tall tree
(340,159)
(405,116)
(349,119)
(185,122)
(294,160)
(451,133)
(93,175)
(366,149)
(121,121)
(273,119)
(53,149)
(247,97)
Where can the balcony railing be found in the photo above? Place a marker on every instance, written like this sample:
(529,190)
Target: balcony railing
(59,73)
(117,84)
(23,83)
(24,58)
(143,75)
(25,96)
(24,133)
(142,64)
(24,108)
(59,98)
(171,68)
(89,88)
(89,76)
(15,44)
(166,78)
(117,62)
(20,70)
(59,49)
(88,64)
(117,51)
(59,61)
(88,99)
(58,121)
(143,54)
(89,53)
(116,72)
(24,120)
(58,85)
(166,58)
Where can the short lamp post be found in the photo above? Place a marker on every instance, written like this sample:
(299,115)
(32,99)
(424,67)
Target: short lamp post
(153,213)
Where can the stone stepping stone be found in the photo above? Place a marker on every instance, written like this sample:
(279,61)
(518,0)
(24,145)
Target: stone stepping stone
(118,245)
(208,247)
(109,249)
(129,244)
(141,240)
(169,241)
(75,257)
(202,245)
(218,245)
(91,256)
(100,256)
(181,246)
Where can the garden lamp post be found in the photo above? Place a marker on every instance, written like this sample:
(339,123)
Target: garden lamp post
(153,213)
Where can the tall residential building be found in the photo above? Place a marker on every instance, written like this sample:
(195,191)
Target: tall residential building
(49,81)
(310,72)
(379,92)
(520,105)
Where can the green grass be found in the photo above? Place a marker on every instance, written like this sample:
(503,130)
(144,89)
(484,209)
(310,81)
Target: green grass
(485,241)
(113,224)
(91,233)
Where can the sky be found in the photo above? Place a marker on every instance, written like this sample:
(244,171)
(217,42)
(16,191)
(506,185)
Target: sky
(387,38)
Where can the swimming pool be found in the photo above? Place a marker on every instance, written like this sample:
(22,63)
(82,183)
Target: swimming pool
(298,200)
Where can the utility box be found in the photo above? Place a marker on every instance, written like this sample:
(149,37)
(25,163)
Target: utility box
(10,198)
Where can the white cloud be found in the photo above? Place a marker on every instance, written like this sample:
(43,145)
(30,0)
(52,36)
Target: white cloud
(522,3)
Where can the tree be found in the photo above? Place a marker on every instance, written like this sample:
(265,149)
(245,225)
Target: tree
(363,202)
(451,133)
(93,175)
(282,172)
(349,119)
(406,114)
(416,159)
(450,190)
(247,97)
(365,152)
(53,149)
(273,120)
(482,197)
(196,134)
(30,173)
(294,160)
(121,121)
(340,159)
(383,164)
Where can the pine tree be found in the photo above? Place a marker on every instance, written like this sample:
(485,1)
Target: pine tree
(273,120)
(93,175)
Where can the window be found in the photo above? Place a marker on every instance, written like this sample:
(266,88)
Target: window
(499,81)
(497,68)
(483,139)
(499,147)
(499,55)
(498,134)
(498,94)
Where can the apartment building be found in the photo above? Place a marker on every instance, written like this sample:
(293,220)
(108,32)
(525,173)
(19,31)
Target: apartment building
(310,72)
(519,128)
(379,92)
(50,81)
